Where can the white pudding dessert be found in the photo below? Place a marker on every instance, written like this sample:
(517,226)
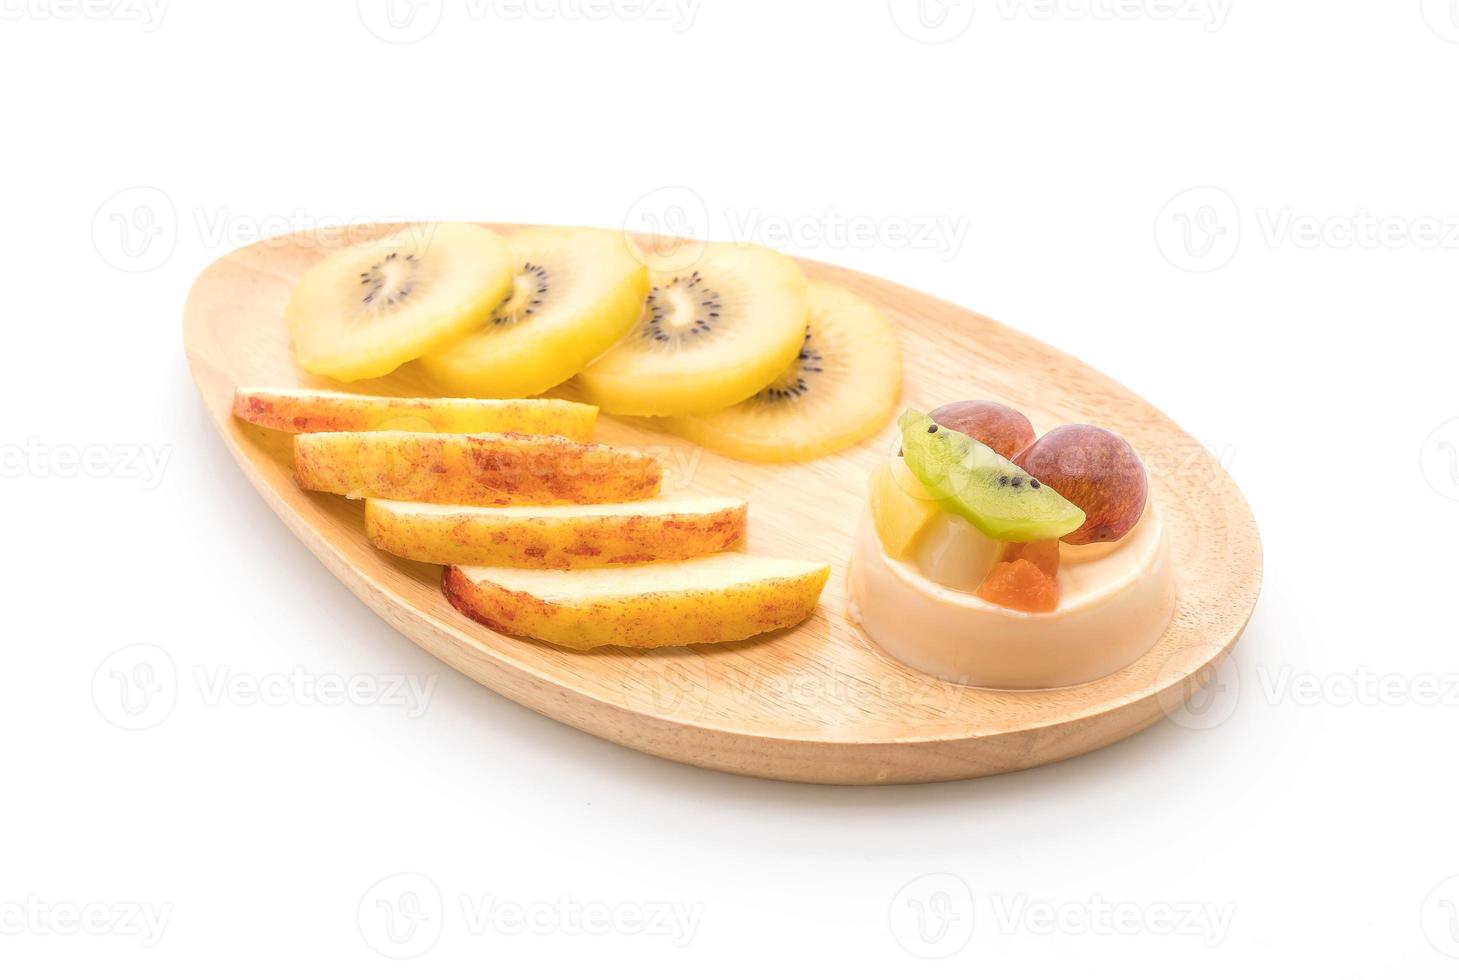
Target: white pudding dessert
(1113,607)
(1046,567)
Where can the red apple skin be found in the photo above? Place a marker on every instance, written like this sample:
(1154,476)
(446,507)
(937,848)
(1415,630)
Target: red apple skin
(1097,471)
(1004,430)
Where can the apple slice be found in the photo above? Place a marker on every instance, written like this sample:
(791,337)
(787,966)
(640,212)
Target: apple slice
(490,470)
(565,536)
(729,596)
(319,410)
(901,507)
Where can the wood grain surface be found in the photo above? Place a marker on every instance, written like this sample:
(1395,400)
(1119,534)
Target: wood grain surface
(816,703)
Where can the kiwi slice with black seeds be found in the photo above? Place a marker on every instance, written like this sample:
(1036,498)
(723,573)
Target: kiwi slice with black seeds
(973,482)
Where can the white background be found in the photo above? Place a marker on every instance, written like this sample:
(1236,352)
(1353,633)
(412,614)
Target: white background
(1298,315)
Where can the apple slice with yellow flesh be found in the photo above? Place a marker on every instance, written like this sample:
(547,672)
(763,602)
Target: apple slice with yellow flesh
(319,410)
(901,507)
(716,598)
(563,536)
(485,470)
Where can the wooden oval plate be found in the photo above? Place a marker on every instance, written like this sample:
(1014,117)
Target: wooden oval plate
(815,703)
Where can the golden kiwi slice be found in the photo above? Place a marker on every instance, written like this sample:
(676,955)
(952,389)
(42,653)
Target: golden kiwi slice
(366,309)
(575,292)
(712,333)
(840,389)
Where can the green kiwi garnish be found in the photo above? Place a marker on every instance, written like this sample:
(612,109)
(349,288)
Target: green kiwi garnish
(973,482)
